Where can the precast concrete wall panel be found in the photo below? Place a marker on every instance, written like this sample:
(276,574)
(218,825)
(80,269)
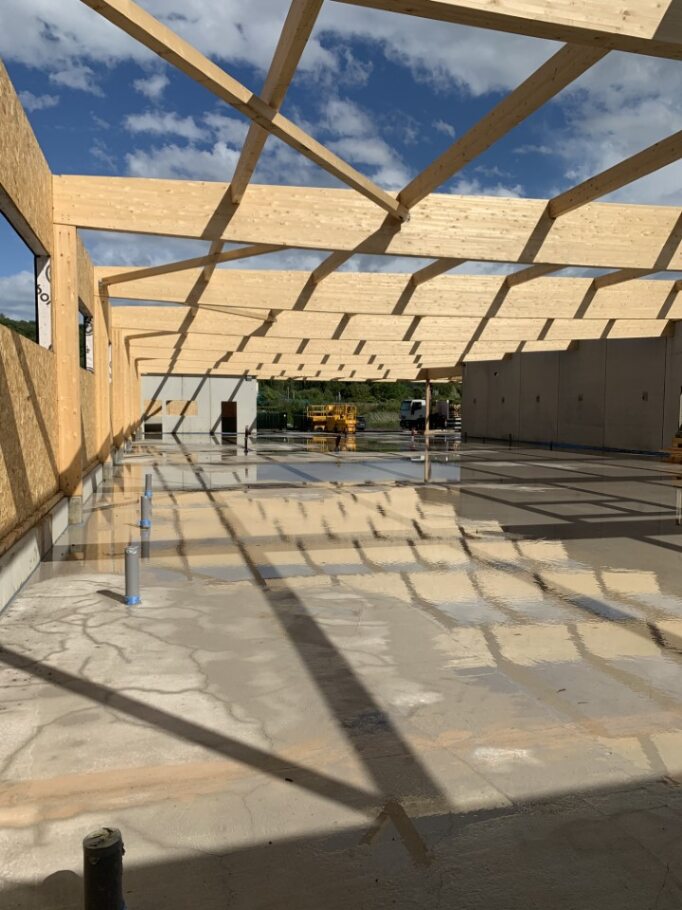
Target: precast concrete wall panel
(634,394)
(503,398)
(582,377)
(475,399)
(672,412)
(621,394)
(539,397)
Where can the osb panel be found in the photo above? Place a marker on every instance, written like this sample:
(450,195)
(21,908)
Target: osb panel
(152,407)
(25,177)
(28,429)
(179,408)
(88,418)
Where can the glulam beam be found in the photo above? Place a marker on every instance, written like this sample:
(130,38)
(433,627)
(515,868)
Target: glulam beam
(443,226)
(327,328)
(160,39)
(530,274)
(382,294)
(651,27)
(109,278)
(433,270)
(620,276)
(67,362)
(297,29)
(548,80)
(614,178)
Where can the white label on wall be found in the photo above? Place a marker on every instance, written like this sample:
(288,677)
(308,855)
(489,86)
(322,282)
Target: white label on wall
(43,270)
(89,343)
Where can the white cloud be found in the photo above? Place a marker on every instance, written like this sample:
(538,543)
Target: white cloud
(153,86)
(488,268)
(77,76)
(532,149)
(38,102)
(139,249)
(226,128)
(389,171)
(184,162)
(295,260)
(145,250)
(165,123)
(281,164)
(393,264)
(358,141)
(345,118)
(355,138)
(101,153)
(100,122)
(619,107)
(474,187)
(47,34)
(491,171)
(444,127)
(17,295)
(441,54)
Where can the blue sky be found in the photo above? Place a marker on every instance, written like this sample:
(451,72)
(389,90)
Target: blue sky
(389,103)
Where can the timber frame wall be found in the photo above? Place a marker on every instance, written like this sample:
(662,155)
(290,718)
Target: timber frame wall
(57,421)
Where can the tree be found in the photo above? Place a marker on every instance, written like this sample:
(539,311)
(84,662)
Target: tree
(25,327)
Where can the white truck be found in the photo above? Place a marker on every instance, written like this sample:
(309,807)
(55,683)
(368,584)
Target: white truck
(413,414)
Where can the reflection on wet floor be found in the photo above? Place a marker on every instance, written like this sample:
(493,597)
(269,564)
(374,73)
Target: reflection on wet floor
(331,653)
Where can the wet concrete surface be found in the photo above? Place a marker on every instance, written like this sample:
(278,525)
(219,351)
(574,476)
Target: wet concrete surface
(348,687)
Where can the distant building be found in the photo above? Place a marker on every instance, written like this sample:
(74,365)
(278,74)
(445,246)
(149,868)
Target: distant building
(198,404)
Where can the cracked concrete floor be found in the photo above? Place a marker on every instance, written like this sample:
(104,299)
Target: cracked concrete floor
(350,695)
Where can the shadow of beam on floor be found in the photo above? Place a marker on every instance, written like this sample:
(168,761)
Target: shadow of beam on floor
(394,767)
(187,730)
(598,849)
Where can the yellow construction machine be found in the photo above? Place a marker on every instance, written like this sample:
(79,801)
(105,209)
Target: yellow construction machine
(332,418)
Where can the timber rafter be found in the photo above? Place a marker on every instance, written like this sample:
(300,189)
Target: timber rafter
(345,324)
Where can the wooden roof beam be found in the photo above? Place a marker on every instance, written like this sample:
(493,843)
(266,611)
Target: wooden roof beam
(637,166)
(619,276)
(293,39)
(433,270)
(380,294)
(182,265)
(530,274)
(448,372)
(297,29)
(555,74)
(140,25)
(645,27)
(329,265)
(494,229)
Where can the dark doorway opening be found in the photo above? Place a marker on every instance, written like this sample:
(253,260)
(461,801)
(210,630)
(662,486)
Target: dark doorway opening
(228,414)
(153,430)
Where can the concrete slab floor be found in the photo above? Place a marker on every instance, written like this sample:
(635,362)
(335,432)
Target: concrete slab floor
(335,693)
